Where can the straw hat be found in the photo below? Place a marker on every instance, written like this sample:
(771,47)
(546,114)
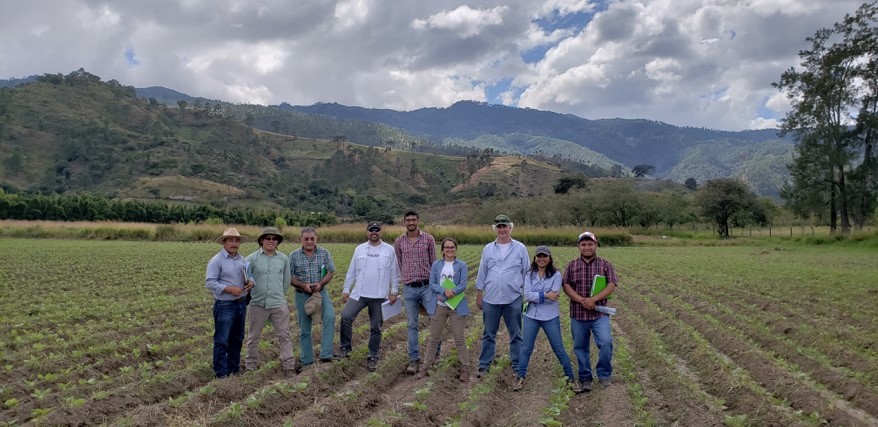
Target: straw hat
(230,232)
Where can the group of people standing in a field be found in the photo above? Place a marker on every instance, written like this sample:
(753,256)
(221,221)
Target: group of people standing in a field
(524,292)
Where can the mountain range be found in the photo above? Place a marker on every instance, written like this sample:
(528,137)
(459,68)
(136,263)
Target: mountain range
(77,133)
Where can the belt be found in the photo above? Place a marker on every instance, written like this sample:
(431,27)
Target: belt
(299,291)
(418,284)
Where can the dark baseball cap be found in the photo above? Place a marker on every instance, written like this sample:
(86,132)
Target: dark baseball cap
(502,219)
(373,226)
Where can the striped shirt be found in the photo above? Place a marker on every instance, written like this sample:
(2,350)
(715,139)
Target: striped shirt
(580,275)
(415,259)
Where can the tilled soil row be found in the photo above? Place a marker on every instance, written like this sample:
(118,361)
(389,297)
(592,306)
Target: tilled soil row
(199,397)
(838,342)
(716,373)
(776,342)
(341,394)
(781,383)
(674,395)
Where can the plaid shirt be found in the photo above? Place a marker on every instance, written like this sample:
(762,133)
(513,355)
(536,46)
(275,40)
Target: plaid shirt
(308,269)
(580,275)
(415,259)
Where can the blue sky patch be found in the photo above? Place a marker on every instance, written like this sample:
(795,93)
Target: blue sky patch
(131,56)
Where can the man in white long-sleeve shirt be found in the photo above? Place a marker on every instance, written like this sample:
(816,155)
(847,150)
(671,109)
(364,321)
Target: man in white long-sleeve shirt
(373,274)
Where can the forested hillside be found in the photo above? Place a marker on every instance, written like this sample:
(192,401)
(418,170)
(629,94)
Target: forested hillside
(75,133)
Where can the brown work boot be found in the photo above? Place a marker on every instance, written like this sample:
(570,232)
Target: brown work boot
(463,374)
(412,367)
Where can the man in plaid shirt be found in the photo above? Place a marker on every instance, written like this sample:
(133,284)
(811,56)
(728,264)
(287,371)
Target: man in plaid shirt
(415,253)
(584,319)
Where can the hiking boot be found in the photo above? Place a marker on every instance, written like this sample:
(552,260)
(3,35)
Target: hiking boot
(342,354)
(481,373)
(412,367)
(327,359)
(297,366)
(584,386)
(422,373)
(605,382)
(371,364)
(463,375)
(518,385)
(290,373)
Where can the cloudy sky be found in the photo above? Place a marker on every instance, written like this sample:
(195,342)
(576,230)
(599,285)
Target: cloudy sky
(696,63)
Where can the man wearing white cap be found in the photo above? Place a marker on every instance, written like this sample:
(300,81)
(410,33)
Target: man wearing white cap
(229,281)
(584,319)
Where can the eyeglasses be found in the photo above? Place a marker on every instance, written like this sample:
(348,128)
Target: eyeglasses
(270,238)
(449,247)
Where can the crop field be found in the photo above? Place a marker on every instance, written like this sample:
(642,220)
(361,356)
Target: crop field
(120,333)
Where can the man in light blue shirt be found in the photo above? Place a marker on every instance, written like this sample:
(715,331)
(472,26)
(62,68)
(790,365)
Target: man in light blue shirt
(229,282)
(499,287)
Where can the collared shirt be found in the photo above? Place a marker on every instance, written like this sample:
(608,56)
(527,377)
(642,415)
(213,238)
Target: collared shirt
(306,269)
(271,275)
(501,278)
(373,272)
(415,259)
(580,275)
(535,288)
(225,270)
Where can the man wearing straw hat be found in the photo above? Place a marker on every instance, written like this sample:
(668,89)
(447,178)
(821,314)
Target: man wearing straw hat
(229,281)
(271,271)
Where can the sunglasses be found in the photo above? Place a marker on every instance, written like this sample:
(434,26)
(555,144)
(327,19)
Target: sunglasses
(270,238)
(542,256)
(374,230)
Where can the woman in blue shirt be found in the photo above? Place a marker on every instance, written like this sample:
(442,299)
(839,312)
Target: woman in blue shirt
(542,286)
(447,304)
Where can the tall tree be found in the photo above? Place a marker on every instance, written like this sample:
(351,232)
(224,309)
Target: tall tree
(830,115)
(723,200)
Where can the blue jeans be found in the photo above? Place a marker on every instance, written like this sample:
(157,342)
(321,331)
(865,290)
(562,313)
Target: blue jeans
(582,330)
(414,298)
(328,333)
(229,318)
(491,314)
(552,328)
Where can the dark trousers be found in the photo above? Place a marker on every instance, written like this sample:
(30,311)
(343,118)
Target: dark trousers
(351,309)
(229,318)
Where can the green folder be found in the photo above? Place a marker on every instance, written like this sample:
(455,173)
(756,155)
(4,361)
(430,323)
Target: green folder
(455,300)
(598,285)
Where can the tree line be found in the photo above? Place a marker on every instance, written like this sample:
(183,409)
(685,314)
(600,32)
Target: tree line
(85,207)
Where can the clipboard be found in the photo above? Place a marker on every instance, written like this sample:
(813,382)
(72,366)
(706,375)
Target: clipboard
(455,300)
(389,310)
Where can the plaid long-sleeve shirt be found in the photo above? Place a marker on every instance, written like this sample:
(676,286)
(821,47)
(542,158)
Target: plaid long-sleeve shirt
(415,259)
(580,275)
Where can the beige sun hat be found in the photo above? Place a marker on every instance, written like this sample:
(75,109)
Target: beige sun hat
(314,307)
(230,232)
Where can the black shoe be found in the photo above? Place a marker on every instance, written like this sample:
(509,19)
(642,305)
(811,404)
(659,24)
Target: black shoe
(372,364)
(297,366)
(343,354)
(481,373)
(605,382)
(327,359)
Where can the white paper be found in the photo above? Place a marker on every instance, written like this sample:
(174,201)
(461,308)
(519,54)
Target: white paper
(389,310)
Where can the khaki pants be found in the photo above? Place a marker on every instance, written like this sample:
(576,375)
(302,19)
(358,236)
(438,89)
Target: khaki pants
(437,326)
(280,320)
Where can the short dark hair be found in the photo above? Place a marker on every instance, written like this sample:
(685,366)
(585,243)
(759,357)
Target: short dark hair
(410,213)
